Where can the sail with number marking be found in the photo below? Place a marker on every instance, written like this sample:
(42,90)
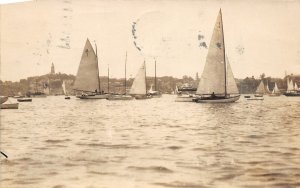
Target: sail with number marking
(214,73)
(87,78)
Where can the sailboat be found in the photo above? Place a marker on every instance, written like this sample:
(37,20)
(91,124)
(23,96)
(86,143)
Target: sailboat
(217,84)
(65,91)
(4,104)
(154,93)
(275,91)
(260,90)
(292,89)
(139,88)
(125,96)
(87,79)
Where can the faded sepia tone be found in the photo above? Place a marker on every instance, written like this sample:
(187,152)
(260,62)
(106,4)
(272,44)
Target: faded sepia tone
(107,93)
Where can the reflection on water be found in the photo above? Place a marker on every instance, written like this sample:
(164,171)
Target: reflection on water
(53,142)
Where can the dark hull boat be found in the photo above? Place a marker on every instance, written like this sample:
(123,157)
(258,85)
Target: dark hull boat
(24,100)
(87,79)
(292,94)
(227,99)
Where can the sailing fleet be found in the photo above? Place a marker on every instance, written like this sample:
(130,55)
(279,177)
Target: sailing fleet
(217,83)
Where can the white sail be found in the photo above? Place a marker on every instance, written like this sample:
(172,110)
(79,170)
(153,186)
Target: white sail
(87,78)
(231,84)
(139,84)
(296,86)
(261,88)
(151,89)
(275,90)
(213,75)
(64,87)
(290,85)
(267,88)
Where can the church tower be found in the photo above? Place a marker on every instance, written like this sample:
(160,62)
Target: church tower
(52,69)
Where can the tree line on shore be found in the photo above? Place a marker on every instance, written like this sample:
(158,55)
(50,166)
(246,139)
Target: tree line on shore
(165,84)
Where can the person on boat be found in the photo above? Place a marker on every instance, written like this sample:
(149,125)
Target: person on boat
(96,90)
(213,95)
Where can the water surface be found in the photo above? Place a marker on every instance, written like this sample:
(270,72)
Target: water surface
(53,142)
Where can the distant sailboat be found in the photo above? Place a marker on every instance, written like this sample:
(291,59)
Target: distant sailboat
(4,104)
(275,92)
(296,86)
(217,84)
(125,96)
(139,88)
(292,89)
(64,89)
(154,93)
(260,90)
(87,79)
(267,88)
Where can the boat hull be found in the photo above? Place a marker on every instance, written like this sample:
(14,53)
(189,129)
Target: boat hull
(142,97)
(24,100)
(217,100)
(104,96)
(292,94)
(258,95)
(10,106)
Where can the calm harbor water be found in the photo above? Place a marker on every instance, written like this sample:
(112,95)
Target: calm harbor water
(53,142)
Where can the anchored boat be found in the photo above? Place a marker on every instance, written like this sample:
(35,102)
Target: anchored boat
(87,79)
(139,88)
(217,83)
(125,96)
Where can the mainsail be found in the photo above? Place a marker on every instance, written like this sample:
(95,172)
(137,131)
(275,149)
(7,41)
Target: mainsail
(64,87)
(261,88)
(213,78)
(87,78)
(139,84)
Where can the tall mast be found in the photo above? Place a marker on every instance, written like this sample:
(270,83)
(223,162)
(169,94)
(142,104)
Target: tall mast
(108,79)
(99,85)
(155,76)
(224,56)
(125,72)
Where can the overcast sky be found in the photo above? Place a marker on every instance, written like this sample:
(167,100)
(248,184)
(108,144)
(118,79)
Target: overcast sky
(260,36)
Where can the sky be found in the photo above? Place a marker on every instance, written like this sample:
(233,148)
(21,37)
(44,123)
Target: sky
(261,36)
